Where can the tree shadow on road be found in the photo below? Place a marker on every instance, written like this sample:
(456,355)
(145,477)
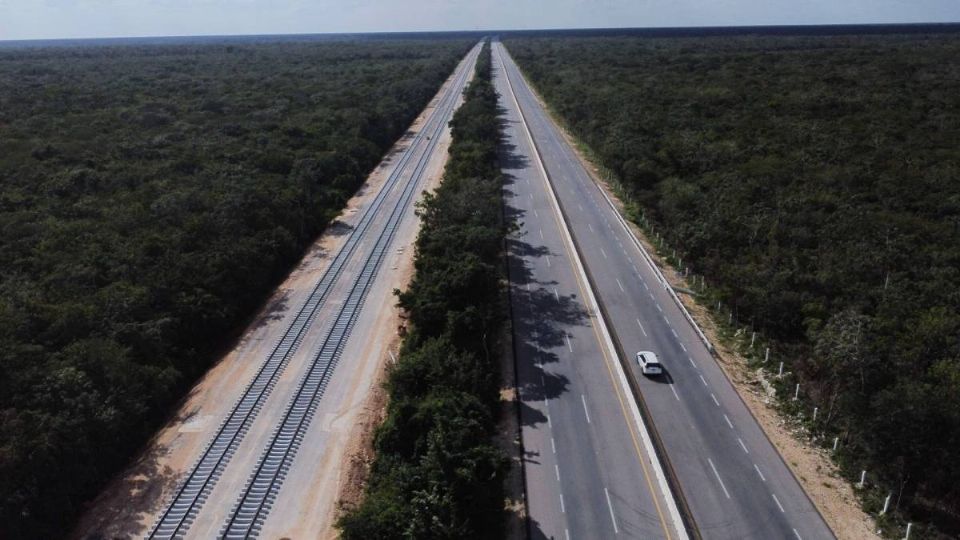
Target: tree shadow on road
(534,532)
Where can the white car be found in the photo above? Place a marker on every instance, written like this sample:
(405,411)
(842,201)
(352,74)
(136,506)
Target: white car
(649,363)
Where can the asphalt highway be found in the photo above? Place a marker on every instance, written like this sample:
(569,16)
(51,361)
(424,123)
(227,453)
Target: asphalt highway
(730,477)
(589,473)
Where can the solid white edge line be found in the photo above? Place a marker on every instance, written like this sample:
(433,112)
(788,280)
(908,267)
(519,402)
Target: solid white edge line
(715,473)
(578,265)
(613,518)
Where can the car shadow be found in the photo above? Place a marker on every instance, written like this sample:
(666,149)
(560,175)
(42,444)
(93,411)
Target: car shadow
(662,378)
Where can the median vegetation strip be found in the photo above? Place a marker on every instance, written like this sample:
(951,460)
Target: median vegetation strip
(151,198)
(438,472)
(813,182)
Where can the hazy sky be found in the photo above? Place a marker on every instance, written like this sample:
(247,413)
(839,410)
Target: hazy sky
(28,19)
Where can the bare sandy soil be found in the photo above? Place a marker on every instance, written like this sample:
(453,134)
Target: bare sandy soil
(357,452)
(831,494)
(131,502)
(811,465)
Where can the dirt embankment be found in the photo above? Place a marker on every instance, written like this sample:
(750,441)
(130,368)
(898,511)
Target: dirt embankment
(819,476)
(831,493)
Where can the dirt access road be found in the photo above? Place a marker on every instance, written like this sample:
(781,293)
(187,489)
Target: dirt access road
(306,505)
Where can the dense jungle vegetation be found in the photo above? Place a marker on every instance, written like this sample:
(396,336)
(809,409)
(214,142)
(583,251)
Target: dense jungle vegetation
(815,182)
(437,473)
(151,197)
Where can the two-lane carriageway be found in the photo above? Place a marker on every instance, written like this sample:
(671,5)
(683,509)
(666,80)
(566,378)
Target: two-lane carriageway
(730,479)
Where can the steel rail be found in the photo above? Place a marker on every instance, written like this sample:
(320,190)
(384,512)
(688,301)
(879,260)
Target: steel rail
(193,491)
(264,483)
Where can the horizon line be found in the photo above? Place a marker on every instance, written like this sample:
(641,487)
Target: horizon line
(488,31)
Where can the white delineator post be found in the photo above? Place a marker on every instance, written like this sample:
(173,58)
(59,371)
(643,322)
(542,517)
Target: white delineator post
(886,504)
(863,478)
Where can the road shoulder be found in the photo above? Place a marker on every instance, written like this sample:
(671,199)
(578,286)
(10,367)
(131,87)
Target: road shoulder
(818,475)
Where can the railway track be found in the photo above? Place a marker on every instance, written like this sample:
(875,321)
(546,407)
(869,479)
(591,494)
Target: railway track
(264,484)
(195,489)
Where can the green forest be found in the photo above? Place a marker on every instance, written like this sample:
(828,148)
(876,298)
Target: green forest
(151,198)
(815,182)
(437,474)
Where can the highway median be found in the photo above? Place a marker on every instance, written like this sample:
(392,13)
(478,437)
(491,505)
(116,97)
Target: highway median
(438,472)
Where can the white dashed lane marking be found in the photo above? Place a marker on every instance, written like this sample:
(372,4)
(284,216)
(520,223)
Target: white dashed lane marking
(715,473)
(641,327)
(613,518)
(776,500)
